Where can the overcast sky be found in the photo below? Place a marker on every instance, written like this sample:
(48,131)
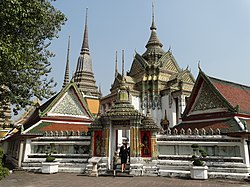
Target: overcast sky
(214,32)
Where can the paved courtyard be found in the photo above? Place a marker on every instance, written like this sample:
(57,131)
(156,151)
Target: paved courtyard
(27,179)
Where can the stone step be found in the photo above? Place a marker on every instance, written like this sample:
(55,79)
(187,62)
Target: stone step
(71,170)
(174,162)
(211,169)
(228,170)
(69,165)
(176,167)
(238,176)
(174,173)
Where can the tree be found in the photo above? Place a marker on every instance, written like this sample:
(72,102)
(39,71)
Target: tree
(4,172)
(26,30)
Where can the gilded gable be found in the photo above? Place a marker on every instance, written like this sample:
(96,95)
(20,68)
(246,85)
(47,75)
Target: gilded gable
(170,66)
(187,77)
(138,65)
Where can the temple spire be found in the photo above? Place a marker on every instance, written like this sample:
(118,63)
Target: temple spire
(66,75)
(85,43)
(84,76)
(116,64)
(153,27)
(122,63)
(154,46)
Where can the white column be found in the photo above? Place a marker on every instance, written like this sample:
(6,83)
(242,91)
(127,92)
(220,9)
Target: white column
(182,103)
(27,149)
(110,146)
(245,152)
(20,156)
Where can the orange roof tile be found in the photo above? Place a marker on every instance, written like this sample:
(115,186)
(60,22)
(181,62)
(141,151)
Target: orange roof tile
(235,94)
(65,127)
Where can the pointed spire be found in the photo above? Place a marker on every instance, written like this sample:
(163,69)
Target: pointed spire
(123,95)
(85,44)
(153,27)
(66,75)
(116,64)
(122,63)
(84,76)
(154,46)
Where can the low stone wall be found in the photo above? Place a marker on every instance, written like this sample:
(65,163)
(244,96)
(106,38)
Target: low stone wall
(71,151)
(226,155)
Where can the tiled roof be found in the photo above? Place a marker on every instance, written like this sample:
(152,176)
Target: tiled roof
(48,126)
(227,125)
(67,118)
(235,94)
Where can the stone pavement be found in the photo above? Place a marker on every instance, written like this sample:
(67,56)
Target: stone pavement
(28,179)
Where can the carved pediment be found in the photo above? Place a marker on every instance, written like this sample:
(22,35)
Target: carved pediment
(115,84)
(138,65)
(167,62)
(69,104)
(187,77)
(208,100)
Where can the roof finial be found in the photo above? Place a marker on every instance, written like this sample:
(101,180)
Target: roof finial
(85,44)
(153,27)
(199,66)
(116,64)
(66,75)
(122,63)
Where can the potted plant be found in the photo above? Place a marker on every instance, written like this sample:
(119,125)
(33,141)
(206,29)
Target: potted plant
(50,165)
(198,169)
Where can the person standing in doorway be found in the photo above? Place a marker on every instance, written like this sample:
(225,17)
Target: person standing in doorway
(115,160)
(124,156)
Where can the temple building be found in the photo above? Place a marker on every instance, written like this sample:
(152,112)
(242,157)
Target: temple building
(157,109)
(156,82)
(141,130)
(62,121)
(216,103)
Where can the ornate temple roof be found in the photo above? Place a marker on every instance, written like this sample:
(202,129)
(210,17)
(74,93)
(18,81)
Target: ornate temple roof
(154,46)
(216,103)
(67,107)
(148,122)
(84,76)
(123,107)
(235,94)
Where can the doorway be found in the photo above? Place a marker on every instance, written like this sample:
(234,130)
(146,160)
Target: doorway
(119,134)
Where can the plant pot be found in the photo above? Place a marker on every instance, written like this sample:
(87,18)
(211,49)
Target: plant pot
(199,172)
(50,167)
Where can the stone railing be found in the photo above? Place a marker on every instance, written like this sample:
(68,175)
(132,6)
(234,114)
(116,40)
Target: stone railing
(189,131)
(65,133)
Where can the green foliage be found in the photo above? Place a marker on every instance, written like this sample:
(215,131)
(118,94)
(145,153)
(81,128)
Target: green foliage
(198,155)
(4,172)
(50,149)
(26,29)
(50,158)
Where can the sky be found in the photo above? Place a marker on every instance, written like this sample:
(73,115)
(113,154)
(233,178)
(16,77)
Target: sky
(214,32)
